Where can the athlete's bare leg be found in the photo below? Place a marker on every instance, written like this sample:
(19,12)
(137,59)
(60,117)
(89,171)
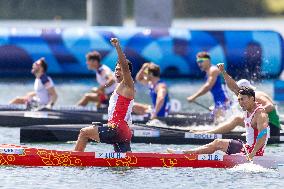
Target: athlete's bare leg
(23,99)
(18,100)
(141,109)
(217,144)
(86,134)
(88,97)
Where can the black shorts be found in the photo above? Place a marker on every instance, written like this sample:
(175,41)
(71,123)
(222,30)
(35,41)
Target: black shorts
(109,135)
(235,146)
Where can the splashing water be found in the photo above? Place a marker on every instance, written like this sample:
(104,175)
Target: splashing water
(250,168)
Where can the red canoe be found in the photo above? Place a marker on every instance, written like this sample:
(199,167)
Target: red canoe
(25,156)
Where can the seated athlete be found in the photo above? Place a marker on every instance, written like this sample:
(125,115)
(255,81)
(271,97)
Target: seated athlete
(257,130)
(44,93)
(117,131)
(149,75)
(260,97)
(105,78)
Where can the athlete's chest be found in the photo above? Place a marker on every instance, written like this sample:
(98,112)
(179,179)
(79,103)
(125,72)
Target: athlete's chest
(38,86)
(125,91)
(251,121)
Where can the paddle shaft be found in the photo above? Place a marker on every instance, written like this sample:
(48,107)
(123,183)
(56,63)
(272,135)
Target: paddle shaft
(247,153)
(201,105)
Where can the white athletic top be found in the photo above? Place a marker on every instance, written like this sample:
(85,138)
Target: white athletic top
(101,76)
(40,87)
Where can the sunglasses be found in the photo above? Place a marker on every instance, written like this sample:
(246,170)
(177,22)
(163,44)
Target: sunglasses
(201,60)
(146,71)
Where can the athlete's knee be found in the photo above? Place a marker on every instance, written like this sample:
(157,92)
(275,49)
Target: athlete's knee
(87,96)
(84,132)
(217,144)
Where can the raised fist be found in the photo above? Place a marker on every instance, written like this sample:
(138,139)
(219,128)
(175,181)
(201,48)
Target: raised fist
(220,66)
(114,42)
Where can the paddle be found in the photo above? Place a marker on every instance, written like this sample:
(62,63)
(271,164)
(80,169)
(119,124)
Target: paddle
(247,153)
(201,105)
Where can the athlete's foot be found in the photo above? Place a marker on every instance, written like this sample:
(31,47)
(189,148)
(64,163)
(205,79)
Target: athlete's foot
(170,151)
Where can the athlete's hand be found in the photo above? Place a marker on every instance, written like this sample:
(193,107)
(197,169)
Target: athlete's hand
(196,131)
(190,99)
(153,116)
(114,42)
(221,67)
(250,156)
(48,106)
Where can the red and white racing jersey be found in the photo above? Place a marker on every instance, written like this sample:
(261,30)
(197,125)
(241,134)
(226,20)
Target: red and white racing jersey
(119,115)
(252,133)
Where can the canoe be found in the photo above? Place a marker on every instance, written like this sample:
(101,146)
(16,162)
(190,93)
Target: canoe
(141,133)
(25,156)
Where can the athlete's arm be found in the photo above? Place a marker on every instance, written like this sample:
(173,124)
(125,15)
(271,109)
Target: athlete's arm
(228,126)
(53,96)
(261,124)
(231,83)
(109,80)
(266,103)
(127,79)
(161,94)
(140,75)
(30,94)
(207,86)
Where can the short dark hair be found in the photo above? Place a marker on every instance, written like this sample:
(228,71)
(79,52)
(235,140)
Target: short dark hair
(154,69)
(203,54)
(43,64)
(94,55)
(129,65)
(247,91)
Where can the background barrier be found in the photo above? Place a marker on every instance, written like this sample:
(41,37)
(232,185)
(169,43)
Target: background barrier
(246,54)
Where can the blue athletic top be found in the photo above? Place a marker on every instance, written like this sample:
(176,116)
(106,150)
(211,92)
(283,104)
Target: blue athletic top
(166,106)
(218,93)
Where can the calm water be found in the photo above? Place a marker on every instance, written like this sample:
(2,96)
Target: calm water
(243,176)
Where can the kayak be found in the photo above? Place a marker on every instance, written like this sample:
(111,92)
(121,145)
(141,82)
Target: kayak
(25,156)
(18,118)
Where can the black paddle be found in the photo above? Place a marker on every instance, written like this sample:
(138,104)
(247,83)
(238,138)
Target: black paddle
(201,105)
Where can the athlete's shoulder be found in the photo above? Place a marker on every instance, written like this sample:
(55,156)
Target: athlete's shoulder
(44,79)
(104,69)
(260,111)
(162,84)
(214,71)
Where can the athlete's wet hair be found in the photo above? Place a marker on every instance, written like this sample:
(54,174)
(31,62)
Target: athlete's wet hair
(94,55)
(247,91)
(154,69)
(43,64)
(203,55)
(129,65)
